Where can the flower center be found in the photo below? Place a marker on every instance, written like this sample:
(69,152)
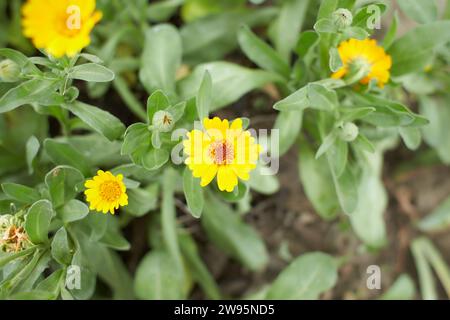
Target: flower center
(110,191)
(222,152)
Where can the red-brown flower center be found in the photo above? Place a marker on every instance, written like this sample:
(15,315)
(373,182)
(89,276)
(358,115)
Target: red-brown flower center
(222,152)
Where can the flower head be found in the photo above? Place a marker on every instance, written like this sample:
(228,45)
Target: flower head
(13,237)
(221,149)
(61,27)
(106,192)
(366,56)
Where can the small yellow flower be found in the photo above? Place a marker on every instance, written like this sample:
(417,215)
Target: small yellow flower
(61,27)
(221,149)
(364,54)
(106,192)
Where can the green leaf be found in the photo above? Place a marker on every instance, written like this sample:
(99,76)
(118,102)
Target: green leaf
(212,37)
(62,153)
(32,150)
(436,110)
(163,10)
(261,53)
(91,72)
(412,137)
(286,28)
(168,216)
(264,180)
(60,247)
(335,60)
(421,11)
(438,219)
(52,284)
(325,25)
(289,124)
(63,184)
(158,278)
(316,176)
(113,237)
(156,139)
(20,193)
(99,120)
(6,258)
(368,217)
(305,278)
(388,113)
(322,98)
(155,159)
(142,200)
(128,97)
(226,229)
(31,91)
(391,33)
(137,137)
(161,58)
(307,41)
(402,289)
(345,185)
(427,283)
(73,210)
(297,101)
(204,97)
(37,221)
(197,267)
(156,102)
(434,257)
(193,193)
(327,143)
(230,82)
(327,7)
(177,110)
(411,52)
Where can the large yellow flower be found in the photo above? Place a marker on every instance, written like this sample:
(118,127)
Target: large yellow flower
(61,27)
(106,192)
(221,149)
(356,54)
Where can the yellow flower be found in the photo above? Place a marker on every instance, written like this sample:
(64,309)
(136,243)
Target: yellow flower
(106,192)
(221,149)
(61,27)
(356,54)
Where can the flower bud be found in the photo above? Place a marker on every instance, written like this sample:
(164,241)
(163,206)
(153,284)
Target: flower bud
(342,18)
(9,71)
(349,132)
(163,121)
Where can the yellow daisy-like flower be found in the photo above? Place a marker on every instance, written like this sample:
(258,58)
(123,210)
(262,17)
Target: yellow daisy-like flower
(356,54)
(61,27)
(106,192)
(221,149)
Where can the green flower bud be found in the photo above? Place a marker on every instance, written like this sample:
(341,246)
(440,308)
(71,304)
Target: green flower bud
(163,121)
(9,71)
(342,18)
(349,132)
